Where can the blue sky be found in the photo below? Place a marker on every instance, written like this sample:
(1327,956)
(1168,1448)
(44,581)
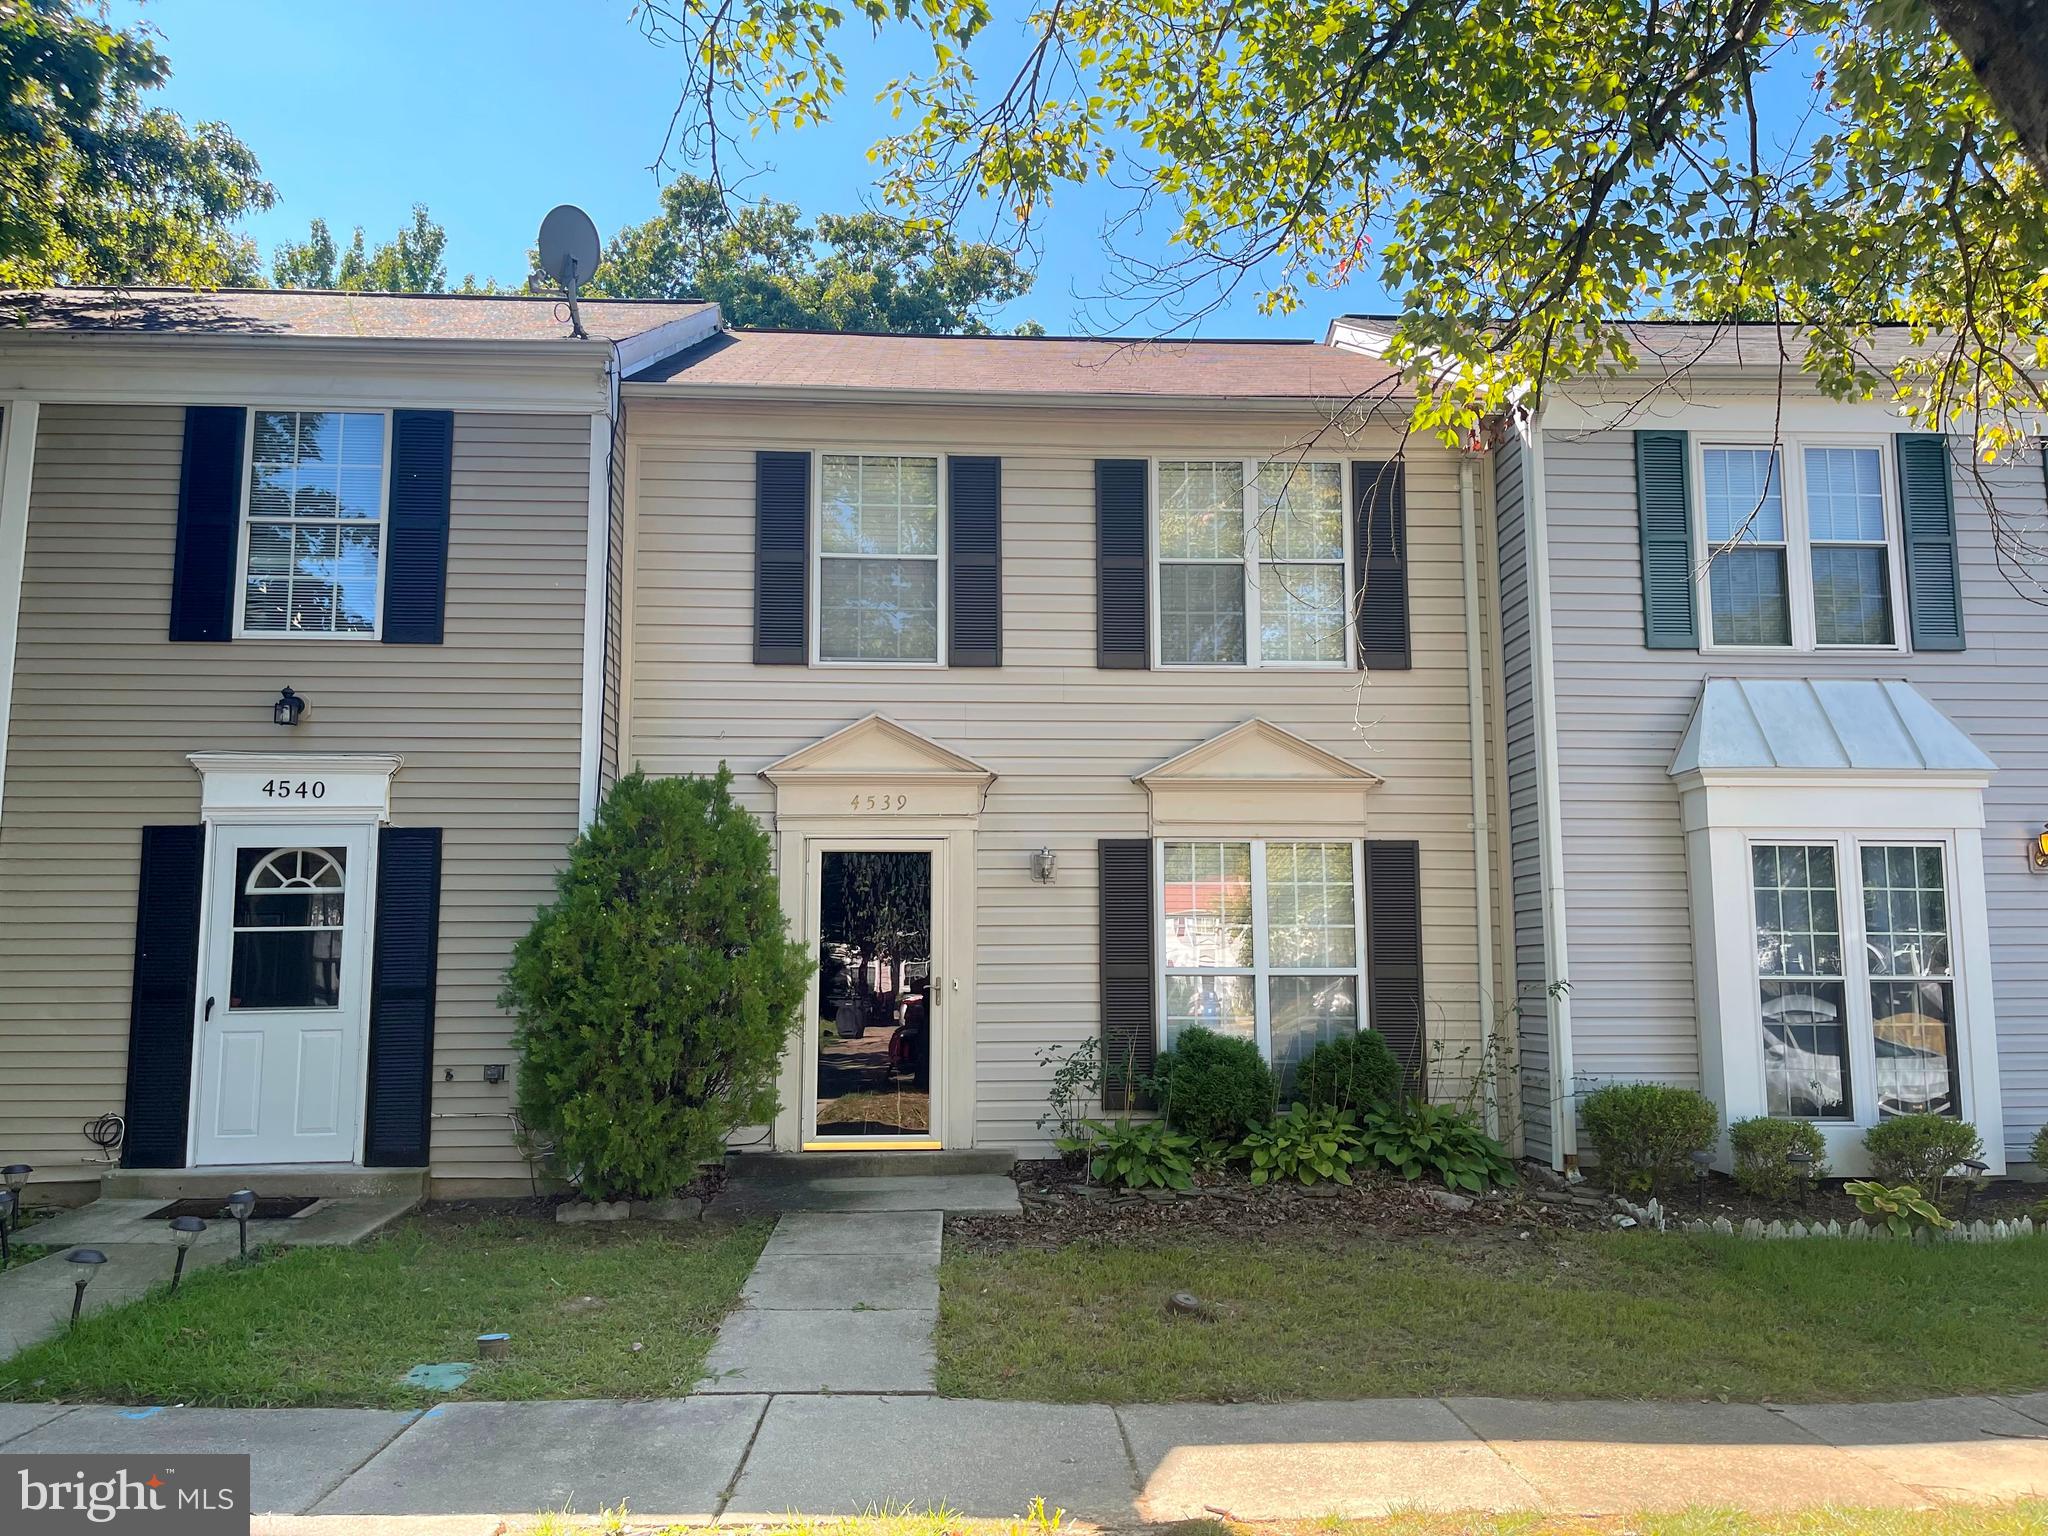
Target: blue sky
(491,113)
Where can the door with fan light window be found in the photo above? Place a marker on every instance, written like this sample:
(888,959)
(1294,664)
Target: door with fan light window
(283,997)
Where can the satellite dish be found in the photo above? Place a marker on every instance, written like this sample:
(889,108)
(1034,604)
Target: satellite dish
(568,246)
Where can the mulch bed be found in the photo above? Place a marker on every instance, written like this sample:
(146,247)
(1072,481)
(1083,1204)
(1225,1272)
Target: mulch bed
(2006,1199)
(1060,1207)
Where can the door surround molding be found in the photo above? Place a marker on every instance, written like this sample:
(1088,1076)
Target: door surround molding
(876,783)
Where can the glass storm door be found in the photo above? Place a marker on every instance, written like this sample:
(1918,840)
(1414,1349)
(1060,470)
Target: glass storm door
(283,996)
(877,999)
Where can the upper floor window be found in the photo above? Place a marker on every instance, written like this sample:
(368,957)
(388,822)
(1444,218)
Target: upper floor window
(313,531)
(1251,563)
(879,557)
(1801,548)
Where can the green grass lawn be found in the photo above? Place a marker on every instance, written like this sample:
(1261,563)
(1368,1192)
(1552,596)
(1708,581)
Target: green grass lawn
(1622,1315)
(594,1311)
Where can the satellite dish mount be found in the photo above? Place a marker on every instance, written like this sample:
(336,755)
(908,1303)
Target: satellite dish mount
(568,254)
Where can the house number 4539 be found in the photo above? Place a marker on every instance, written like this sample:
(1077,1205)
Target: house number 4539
(880,802)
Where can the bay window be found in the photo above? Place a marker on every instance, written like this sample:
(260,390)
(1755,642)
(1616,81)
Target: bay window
(1262,940)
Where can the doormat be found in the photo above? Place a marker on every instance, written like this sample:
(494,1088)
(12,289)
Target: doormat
(215,1208)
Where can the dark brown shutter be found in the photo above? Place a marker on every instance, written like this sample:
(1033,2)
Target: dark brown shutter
(782,515)
(1129,1038)
(416,560)
(203,575)
(974,503)
(402,979)
(1121,627)
(1393,951)
(163,996)
(1380,554)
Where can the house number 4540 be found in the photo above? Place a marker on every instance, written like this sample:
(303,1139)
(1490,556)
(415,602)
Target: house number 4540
(880,802)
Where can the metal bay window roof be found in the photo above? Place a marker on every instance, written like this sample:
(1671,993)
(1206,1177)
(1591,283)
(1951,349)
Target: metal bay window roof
(1822,725)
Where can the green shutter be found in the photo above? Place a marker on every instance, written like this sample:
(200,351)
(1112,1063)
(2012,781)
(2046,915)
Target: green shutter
(1664,509)
(1934,578)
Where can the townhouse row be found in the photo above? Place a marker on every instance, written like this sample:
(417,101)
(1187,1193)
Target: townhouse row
(1089,690)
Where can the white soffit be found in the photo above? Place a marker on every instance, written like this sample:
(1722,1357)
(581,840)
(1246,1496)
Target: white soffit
(1828,725)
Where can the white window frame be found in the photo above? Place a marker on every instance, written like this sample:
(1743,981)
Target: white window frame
(383,524)
(1856,975)
(1348,518)
(1798,546)
(1261,969)
(815,577)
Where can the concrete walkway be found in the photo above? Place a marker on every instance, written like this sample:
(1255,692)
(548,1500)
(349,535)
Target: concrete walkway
(836,1303)
(742,1456)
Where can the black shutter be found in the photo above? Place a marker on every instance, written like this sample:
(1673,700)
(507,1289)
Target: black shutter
(1393,951)
(782,515)
(974,500)
(1934,577)
(209,527)
(1380,553)
(416,540)
(1128,1036)
(163,995)
(1121,638)
(1664,512)
(402,997)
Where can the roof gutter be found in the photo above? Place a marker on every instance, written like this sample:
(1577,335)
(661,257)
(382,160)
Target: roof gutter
(783,394)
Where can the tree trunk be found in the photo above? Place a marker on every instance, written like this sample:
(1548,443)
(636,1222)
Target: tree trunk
(2005,42)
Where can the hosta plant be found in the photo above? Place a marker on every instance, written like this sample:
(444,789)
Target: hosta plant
(1900,1207)
(1304,1145)
(1141,1154)
(1415,1138)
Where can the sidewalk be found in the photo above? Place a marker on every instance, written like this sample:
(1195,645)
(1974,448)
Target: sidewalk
(754,1456)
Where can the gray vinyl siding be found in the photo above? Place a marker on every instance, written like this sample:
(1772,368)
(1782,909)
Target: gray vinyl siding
(1063,737)
(1524,830)
(106,708)
(1621,712)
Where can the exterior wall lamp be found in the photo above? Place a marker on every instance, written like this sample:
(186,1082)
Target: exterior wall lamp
(2037,851)
(288,708)
(1045,864)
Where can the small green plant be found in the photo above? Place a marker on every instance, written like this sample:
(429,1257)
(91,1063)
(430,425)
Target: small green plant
(1415,1137)
(1901,1207)
(1763,1145)
(1921,1150)
(1141,1154)
(1076,1083)
(1305,1145)
(1213,1086)
(1354,1071)
(2039,1149)
(1645,1133)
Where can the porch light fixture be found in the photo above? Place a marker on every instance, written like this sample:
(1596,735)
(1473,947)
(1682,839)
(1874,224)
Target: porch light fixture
(288,708)
(2037,851)
(1802,1164)
(6,1220)
(1045,864)
(240,1206)
(1702,1165)
(15,1175)
(88,1261)
(185,1232)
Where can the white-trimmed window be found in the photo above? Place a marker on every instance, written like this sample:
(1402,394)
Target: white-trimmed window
(313,528)
(1251,563)
(1857,990)
(1263,940)
(881,548)
(1800,547)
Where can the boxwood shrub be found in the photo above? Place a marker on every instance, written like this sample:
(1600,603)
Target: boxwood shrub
(1762,1146)
(1213,1086)
(1646,1133)
(1920,1150)
(1354,1071)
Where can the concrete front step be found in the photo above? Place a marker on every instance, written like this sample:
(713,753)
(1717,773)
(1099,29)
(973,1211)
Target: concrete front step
(322,1181)
(825,1165)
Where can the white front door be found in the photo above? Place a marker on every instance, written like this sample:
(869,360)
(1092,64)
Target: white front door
(283,995)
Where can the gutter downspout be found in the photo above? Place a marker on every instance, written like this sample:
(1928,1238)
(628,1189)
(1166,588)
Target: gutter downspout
(1564,1150)
(18,422)
(596,595)
(1482,825)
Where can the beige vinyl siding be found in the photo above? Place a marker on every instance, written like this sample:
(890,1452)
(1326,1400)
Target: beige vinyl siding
(1524,829)
(1622,709)
(1063,737)
(105,709)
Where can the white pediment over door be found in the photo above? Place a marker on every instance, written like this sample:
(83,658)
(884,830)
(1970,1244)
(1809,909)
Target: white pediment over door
(876,770)
(1257,780)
